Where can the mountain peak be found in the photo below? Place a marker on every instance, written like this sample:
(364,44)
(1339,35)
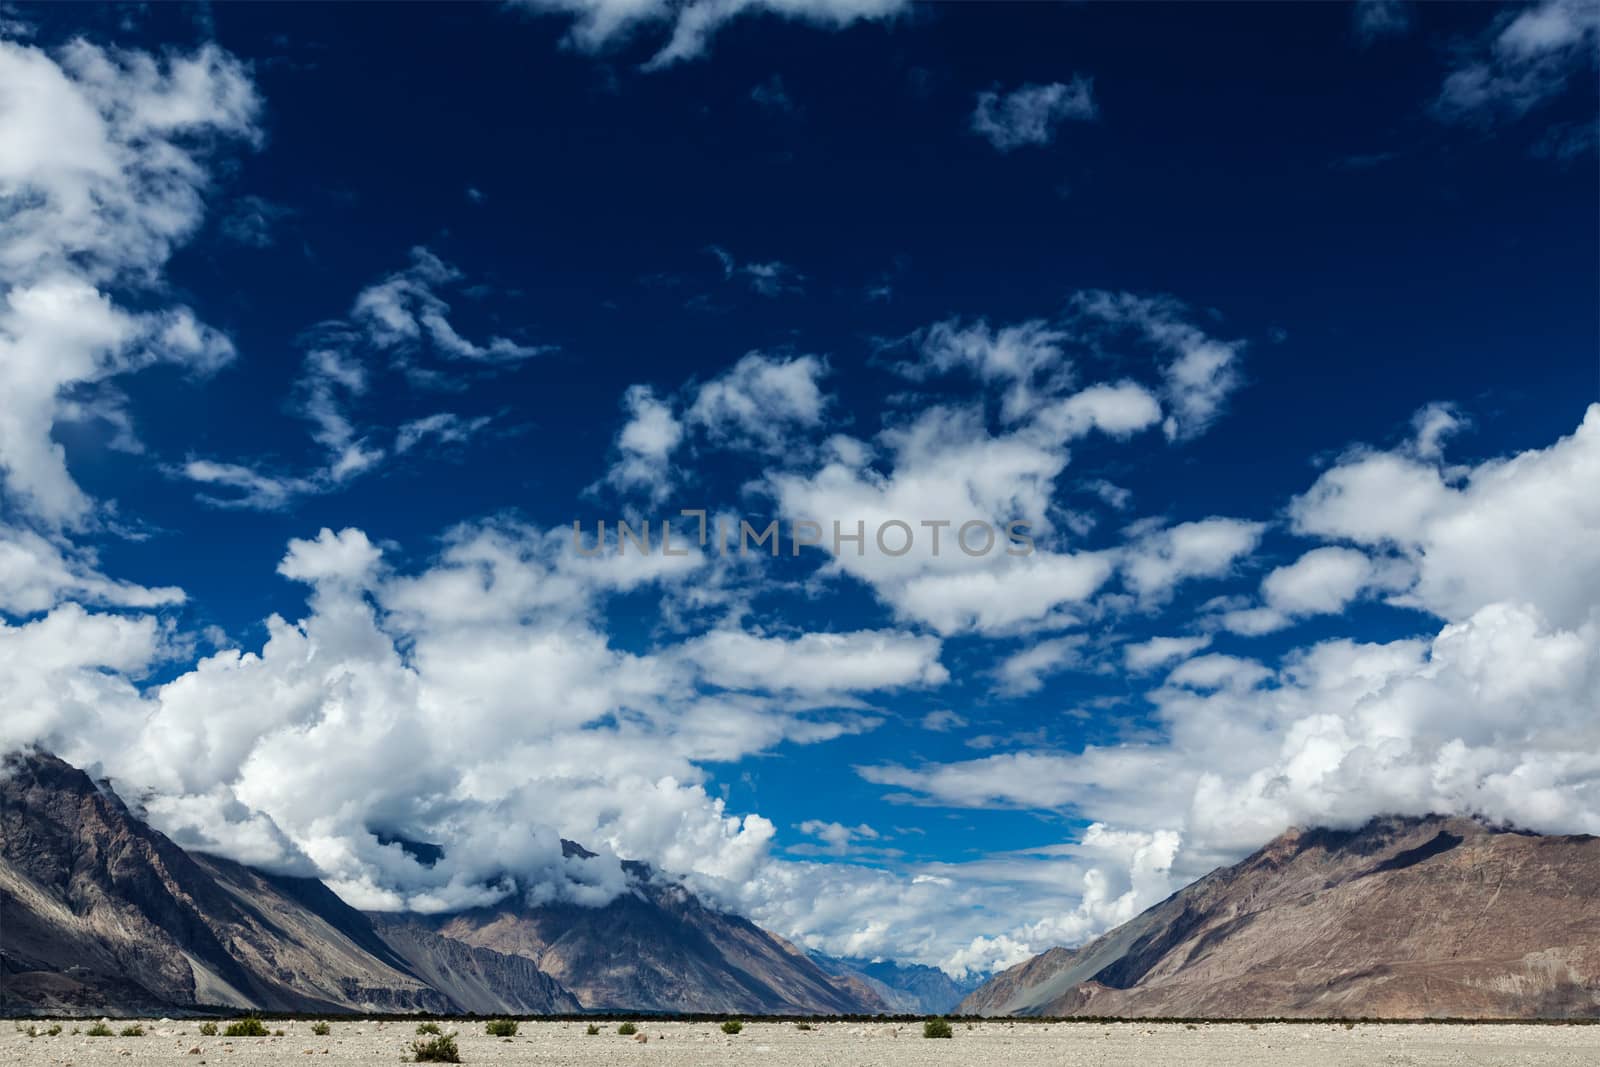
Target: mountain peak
(105,913)
(1402,916)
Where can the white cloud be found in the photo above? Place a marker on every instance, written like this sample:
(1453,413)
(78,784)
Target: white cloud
(1022,358)
(1320,582)
(405,309)
(36,573)
(1144,656)
(772,278)
(251,488)
(1117,410)
(1030,114)
(817,662)
(1217,671)
(1528,57)
(599,24)
(837,839)
(1127,872)
(645,444)
(1158,560)
(399,705)
(1468,534)
(1432,425)
(762,402)
(1024,672)
(1323,581)
(444,427)
(942,721)
(346,557)
(1492,714)
(1201,371)
(102,160)
(396,318)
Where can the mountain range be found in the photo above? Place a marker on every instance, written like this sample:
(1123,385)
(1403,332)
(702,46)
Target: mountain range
(1401,918)
(101,912)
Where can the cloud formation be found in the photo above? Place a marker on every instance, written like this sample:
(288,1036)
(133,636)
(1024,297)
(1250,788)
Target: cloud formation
(1031,114)
(102,170)
(600,24)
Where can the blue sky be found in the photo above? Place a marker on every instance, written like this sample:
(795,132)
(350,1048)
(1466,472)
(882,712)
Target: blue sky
(324,324)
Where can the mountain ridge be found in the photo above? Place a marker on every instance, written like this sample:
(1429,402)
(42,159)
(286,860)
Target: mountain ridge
(102,912)
(1346,923)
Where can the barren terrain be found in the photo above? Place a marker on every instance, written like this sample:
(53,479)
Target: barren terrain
(855,1044)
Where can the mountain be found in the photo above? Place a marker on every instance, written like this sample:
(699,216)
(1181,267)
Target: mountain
(904,988)
(655,948)
(1403,918)
(103,913)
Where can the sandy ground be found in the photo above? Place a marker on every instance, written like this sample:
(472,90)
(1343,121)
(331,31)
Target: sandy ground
(829,1044)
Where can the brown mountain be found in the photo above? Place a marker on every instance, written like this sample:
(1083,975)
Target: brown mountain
(655,948)
(100,912)
(1404,918)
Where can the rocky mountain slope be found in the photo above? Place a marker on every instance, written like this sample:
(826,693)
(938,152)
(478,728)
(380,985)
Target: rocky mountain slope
(656,948)
(1402,918)
(100,912)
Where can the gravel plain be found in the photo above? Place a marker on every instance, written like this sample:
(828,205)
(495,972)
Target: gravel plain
(833,1044)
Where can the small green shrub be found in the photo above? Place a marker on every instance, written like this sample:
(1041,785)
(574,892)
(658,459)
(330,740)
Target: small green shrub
(501,1027)
(321,1029)
(441,1049)
(249,1026)
(732,1026)
(133,1031)
(627,1029)
(936,1028)
(100,1030)
(277,1033)
(430,1028)
(54,1030)
(208,1029)
(802,1026)
(593,1029)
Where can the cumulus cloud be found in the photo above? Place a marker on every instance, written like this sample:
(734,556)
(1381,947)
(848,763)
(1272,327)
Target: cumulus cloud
(947,471)
(398,707)
(762,401)
(102,166)
(1157,560)
(1490,713)
(1200,372)
(1321,582)
(645,444)
(1467,534)
(36,573)
(1031,114)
